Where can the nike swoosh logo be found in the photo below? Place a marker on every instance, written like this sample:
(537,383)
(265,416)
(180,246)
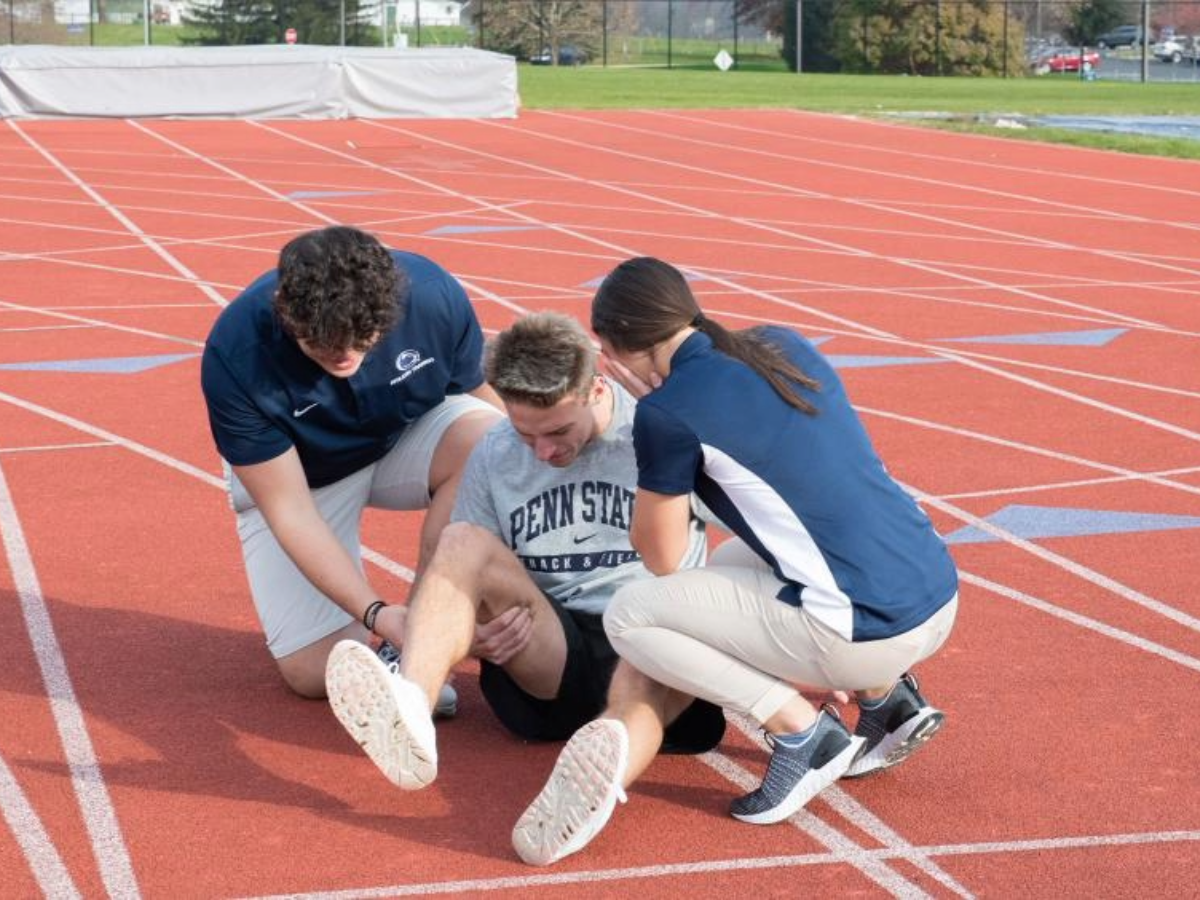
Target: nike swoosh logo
(582,539)
(297,413)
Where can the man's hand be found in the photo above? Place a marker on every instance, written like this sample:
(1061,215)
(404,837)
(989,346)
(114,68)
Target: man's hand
(503,637)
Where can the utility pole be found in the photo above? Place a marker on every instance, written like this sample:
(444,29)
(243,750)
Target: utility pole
(799,36)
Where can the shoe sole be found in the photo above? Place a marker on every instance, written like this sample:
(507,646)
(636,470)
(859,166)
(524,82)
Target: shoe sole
(813,782)
(900,744)
(578,799)
(361,693)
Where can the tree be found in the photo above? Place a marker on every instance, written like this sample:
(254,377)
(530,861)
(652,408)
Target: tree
(1092,18)
(924,37)
(233,22)
(525,28)
(237,22)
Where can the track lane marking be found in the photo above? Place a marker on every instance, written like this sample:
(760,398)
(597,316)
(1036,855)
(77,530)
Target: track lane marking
(46,866)
(116,213)
(1077,842)
(87,777)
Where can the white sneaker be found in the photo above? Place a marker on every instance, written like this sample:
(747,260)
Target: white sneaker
(447,701)
(580,796)
(387,715)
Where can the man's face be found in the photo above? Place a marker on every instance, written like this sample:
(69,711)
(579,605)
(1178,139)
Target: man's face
(338,363)
(557,434)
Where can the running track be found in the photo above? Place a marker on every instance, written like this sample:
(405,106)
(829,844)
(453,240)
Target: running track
(1017,324)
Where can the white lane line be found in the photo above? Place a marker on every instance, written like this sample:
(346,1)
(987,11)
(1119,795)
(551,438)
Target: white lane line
(1084,842)
(1158,477)
(812,329)
(47,867)
(978,161)
(1082,621)
(45,447)
(149,242)
(404,573)
(863,818)
(841,845)
(835,246)
(85,322)
(44,328)
(885,207)
(87,779)
(1121,472)
(847,808)
(315,213)
(110,437)
(1077,569)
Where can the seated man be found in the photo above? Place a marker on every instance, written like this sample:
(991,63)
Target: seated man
(349,377)
(539,542)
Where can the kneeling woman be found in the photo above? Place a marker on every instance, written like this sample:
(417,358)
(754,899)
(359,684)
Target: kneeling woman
(836,579)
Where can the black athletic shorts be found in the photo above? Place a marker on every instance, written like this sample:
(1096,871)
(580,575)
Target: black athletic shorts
(581,695)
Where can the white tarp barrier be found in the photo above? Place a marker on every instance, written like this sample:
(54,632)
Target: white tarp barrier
(257,82)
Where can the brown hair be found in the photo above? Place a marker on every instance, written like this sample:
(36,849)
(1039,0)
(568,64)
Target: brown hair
(541,359)
(338,288)
(645,301)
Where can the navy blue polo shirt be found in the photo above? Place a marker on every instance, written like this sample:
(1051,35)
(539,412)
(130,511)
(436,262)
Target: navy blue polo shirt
(265,396)
(807,492)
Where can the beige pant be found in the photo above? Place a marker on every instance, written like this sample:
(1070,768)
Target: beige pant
(719,633)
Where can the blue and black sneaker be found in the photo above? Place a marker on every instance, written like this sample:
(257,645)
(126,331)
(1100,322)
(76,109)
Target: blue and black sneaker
(894,728)
(801,767)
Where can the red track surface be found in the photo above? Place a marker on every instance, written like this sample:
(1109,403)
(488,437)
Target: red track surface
(148,746)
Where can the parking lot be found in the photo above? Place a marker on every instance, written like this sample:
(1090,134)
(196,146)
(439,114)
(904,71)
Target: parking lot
(1126,65)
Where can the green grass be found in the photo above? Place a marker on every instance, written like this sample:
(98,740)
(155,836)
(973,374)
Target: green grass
(596,87)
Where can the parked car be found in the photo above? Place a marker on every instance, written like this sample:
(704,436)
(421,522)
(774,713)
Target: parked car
(568,55)
(1172,50)
(1067,59)
(1121,36)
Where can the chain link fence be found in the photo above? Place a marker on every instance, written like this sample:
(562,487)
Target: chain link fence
(1131,40)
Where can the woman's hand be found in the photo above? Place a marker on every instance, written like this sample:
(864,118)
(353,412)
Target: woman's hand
(624,376)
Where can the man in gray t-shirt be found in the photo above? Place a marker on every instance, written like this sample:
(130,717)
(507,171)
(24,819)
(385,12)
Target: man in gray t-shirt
(567,522)
(538,543)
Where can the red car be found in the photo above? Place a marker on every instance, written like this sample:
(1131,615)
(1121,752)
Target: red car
(1069,59)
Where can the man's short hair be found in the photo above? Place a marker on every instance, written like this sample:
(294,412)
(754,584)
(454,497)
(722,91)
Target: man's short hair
(540,359)
(338,288)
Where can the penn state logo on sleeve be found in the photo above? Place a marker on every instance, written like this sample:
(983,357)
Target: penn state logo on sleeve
(408,363)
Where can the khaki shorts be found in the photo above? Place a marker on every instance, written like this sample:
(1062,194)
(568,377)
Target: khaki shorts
(293,613)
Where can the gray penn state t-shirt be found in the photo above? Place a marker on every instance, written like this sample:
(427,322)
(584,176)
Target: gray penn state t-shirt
(569,527)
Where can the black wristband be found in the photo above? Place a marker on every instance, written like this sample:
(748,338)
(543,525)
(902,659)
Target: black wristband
(371,614)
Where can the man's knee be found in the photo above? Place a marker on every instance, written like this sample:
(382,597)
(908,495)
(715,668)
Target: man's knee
(455,446)
(302,676)
(462,545)
(303,670)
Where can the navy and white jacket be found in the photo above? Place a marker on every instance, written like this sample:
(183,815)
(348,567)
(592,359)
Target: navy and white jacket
(807,492)
(265,395)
